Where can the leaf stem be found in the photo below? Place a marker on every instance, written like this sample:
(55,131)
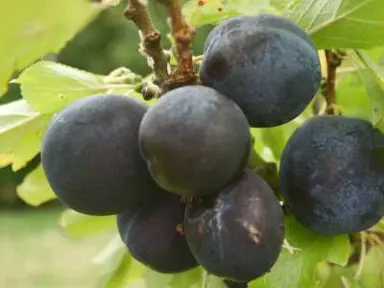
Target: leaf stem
(345,282)
(150,45)
(362,255)
(204,281)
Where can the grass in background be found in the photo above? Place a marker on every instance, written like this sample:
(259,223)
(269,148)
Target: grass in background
(36,253)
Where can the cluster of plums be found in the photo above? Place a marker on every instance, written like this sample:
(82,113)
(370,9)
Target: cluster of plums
(176,174)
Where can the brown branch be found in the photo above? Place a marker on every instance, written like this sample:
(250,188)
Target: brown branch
(331,76)
(183,35)
(136,11)
(333,61)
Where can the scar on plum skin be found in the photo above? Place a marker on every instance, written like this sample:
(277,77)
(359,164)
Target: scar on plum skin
(219,68)
(180,229)
(254,233)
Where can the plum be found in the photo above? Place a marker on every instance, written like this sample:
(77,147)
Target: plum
(195,140)
(237,234)
(266,64)
(332,174)
(91,158)
(152,236)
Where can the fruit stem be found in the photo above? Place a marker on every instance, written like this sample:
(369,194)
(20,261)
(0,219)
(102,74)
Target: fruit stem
(333,60)
(150,45)
(183,35)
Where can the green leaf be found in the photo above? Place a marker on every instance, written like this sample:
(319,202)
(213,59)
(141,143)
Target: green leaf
(77,224)
(296,269)
(352,97)
(380,226)
(375,92)
(275,139)
(372,275)
(215,282)
(50,86)
(342,23)
(191,278)
(376,69)
(33,28)
(373,79)
(119,277)
(114,262)
(21,131)
(212,12)
(35,189)
(281,4)
(360,92)
(123,271)
(270,142)
(376,54)
(340,277)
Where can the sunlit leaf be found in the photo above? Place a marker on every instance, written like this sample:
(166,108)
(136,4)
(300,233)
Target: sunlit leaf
(77,224)
(33,28)
(375,93)
(352,97)
(199,13)
(372,275)
(297,268)
(50,86)
(35,189)
(341,23)
(21,131)
(376,69)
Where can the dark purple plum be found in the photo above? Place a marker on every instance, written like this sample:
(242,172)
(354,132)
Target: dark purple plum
(332,174)
(266,64)
(91,158)
(152,236)
(195,140)
(266,20)
(238,234)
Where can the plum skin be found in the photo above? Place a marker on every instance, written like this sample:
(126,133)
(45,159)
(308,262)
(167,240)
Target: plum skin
(238,234)
(194,140)
(271,71)
(151,236)
(90,156)
(332,175)
(272,21)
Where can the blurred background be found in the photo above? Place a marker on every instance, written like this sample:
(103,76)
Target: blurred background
(34,250)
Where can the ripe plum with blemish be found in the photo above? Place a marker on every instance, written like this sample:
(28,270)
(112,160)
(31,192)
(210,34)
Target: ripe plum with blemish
(237,234)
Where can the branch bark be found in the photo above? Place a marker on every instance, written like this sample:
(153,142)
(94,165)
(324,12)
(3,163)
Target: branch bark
(150,45)
(183,35)
(333,61)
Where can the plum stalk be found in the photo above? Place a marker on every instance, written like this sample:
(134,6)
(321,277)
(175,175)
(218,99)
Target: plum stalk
(333,60)
(150,47)
(183,35)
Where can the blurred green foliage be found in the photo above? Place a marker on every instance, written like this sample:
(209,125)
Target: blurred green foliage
(108,42)
(112,41)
